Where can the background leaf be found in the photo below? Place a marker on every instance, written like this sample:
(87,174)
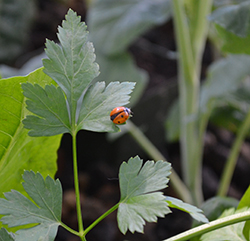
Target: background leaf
(18,151)
(5,236)
(139,197)
(121,68)
(234,18)
(15,26)
(115,24)
(45,213)
(231,43)
(225,77)
(229,233)
(195,212)
(232,24)
(244,203)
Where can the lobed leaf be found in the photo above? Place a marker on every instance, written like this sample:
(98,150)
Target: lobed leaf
(71,65)
(99,101)
(50,106)
(44,213)
(195,212)
(140,199)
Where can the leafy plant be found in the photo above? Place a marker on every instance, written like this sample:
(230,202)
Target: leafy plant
(76,103)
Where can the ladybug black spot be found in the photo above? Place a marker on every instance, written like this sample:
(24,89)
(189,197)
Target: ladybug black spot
(122,116)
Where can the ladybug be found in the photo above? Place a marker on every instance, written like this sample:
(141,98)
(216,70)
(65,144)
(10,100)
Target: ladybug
(119,115)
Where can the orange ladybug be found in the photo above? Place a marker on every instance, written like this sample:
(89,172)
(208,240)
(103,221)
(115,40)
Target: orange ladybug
(119,115)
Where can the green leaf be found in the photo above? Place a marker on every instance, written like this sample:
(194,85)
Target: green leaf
(244,203)
(71,65)
(50,105)
(75,104)
(44,213)
(5,236)
(213,208)
(18,151)
(230,232)
(231,43)
(234,18)
(224,77)
(114,25)
(99,101)
(140,199)
(233,27)
(15,26)
(195,212)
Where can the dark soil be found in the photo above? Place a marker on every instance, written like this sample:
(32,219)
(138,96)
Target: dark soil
(99,159)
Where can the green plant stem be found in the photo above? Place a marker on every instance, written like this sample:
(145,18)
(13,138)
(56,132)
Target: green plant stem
(188,95)
(77,191)
(101,218)
(219,223)
(69,229)
(232,159)
(190,43)
(154,153)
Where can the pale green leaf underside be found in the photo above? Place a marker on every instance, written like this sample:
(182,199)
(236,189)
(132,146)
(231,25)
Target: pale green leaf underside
(18,151)
(5,236)
(140,199)
(234,18)
(230,233)
(195,212)
(131,214)
(45,214)
(136,179)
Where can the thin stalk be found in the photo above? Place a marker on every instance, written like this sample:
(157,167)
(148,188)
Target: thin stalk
(101,218)
(77,191)
(154,153)
(219,223)
(232,159)
(69,229)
